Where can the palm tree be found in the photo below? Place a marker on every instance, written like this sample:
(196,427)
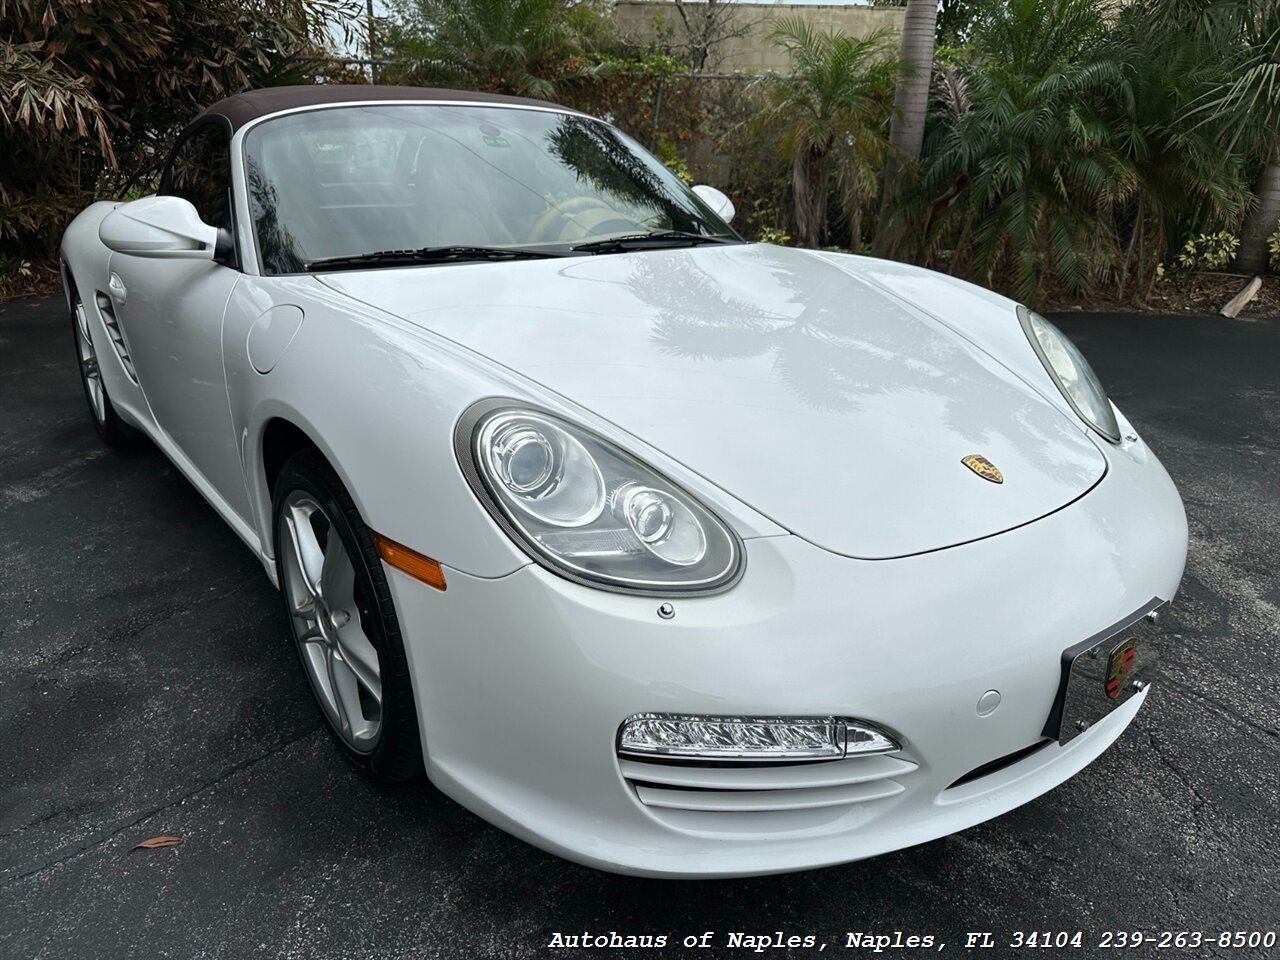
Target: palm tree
(1245,102)
(1035,162)
(508,46)
(1186,180)
(1066,147)
(910,104)
(831,107)
(1251,104)
(1263,219)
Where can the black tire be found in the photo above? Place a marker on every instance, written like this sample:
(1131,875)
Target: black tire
(113,431)
(396,756)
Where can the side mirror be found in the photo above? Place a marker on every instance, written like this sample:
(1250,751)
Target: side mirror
(717,201)
(161,227)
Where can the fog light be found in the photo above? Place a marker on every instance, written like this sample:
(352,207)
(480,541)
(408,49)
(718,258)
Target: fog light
(683,736)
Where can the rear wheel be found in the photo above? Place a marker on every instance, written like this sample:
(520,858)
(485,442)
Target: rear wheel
(342,620)
(106,421)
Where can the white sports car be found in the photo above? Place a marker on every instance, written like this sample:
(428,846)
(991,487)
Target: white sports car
(667,552)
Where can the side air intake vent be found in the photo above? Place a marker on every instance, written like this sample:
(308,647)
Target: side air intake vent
(108,314)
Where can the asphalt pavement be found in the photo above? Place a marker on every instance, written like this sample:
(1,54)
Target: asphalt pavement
(148,687)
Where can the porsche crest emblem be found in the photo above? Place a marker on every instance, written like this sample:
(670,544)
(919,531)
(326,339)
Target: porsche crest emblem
(983,468)
(1119,666)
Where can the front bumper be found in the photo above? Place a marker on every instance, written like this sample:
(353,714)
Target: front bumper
(521,683)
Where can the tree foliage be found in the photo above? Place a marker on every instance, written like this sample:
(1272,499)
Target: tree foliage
(1244,35)
(1034,157)
(705,26)
(1068,144)
(94,89)
(1064,149)
(829,114)
(504,46)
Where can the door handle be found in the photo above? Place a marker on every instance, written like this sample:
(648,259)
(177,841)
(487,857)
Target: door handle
(115,286)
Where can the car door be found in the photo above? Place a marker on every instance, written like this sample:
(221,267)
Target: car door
(172,312)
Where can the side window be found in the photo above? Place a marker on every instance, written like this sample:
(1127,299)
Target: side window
(201,172)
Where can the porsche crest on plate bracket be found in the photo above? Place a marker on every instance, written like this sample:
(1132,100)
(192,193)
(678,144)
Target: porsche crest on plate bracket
(1119,666)
(983,468)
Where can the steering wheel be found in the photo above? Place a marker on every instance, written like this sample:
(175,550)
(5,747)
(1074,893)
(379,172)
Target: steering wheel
(584,216)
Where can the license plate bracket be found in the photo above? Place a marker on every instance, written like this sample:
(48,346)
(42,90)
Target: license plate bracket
(1101,673)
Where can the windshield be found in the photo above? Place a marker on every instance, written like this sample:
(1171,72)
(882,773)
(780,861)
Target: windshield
(350,181)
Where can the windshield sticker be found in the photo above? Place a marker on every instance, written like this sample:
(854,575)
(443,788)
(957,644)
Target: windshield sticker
(493,136)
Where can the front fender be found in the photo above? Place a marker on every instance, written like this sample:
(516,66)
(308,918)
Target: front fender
(379,406)
(84,256)
(86,263)
(380,397)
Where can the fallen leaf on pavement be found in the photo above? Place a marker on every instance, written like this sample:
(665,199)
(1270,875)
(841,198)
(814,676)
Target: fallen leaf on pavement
(154,842)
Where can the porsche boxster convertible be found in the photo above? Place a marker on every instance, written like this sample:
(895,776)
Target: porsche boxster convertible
(668,552)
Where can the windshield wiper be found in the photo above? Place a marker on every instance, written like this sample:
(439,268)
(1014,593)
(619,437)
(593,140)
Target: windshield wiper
(658,238)
(425,255)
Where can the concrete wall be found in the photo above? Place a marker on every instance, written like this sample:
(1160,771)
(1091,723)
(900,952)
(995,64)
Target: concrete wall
(647,21)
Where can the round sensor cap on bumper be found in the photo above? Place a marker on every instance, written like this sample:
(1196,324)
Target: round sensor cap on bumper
(675,736)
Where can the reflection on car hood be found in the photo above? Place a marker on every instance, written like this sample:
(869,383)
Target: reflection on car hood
(806,393)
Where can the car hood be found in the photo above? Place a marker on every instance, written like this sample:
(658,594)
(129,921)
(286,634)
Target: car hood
(794,385)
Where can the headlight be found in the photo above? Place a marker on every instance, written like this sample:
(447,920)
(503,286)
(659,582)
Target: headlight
(588,510)
(1072,373)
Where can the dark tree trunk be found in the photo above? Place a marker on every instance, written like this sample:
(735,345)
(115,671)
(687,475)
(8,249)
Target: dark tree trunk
(910,104)
(809,195)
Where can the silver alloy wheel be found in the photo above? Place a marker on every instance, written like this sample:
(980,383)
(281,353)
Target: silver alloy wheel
(89,371)
(319,585)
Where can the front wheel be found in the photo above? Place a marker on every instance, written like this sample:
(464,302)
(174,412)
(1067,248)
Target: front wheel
(342,620)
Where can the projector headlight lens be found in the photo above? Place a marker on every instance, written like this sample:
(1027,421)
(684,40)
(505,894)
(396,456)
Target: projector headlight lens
(675,736)
(545,472)
(1072,373)
(589,510)
(665,526)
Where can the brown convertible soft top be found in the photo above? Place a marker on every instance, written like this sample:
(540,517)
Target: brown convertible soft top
(245,107)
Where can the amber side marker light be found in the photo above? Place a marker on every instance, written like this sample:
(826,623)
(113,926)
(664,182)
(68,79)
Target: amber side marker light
(410,561)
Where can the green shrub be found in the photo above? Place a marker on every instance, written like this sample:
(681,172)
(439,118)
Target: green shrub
(1208,251)
(14,267)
